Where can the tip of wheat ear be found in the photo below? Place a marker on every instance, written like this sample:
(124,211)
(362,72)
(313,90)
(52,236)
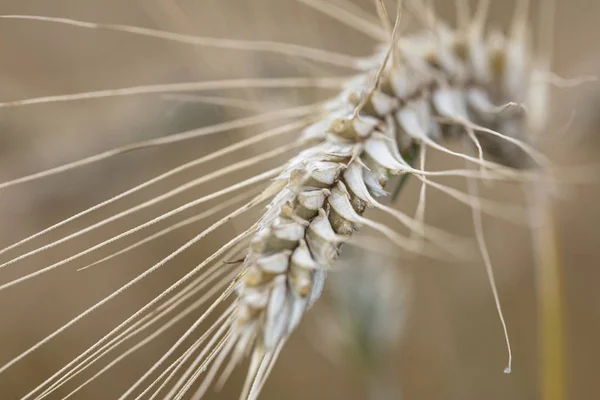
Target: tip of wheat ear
(453,77)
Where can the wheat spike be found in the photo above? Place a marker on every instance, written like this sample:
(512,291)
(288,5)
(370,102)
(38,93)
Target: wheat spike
(416,92)
(433,87)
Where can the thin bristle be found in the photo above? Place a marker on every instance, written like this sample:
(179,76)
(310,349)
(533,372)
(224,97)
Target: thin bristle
(169,305)
(478,225)
(214,195)
(288,49)
(195,163)
(348,18)
(180,315)
(208,213)
(194,133)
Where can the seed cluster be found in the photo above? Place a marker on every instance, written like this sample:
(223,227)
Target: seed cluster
(433,86)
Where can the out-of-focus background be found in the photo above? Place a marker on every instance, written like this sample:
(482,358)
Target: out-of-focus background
(450,344)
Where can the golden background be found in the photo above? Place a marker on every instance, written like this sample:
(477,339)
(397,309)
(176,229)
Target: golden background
(452,345)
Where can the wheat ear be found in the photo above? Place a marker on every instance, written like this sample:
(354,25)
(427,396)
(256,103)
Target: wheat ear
(325,190)
(416,92)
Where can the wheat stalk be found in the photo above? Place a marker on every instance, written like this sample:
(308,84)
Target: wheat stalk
(358,329)
(415,93)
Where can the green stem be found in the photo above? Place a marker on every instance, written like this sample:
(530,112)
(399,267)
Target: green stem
(410,156)
(550,302)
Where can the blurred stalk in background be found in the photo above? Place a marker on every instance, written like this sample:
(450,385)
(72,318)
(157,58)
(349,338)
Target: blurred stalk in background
(369,304)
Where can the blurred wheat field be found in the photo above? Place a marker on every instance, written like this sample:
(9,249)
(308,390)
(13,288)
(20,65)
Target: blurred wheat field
(452,345)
